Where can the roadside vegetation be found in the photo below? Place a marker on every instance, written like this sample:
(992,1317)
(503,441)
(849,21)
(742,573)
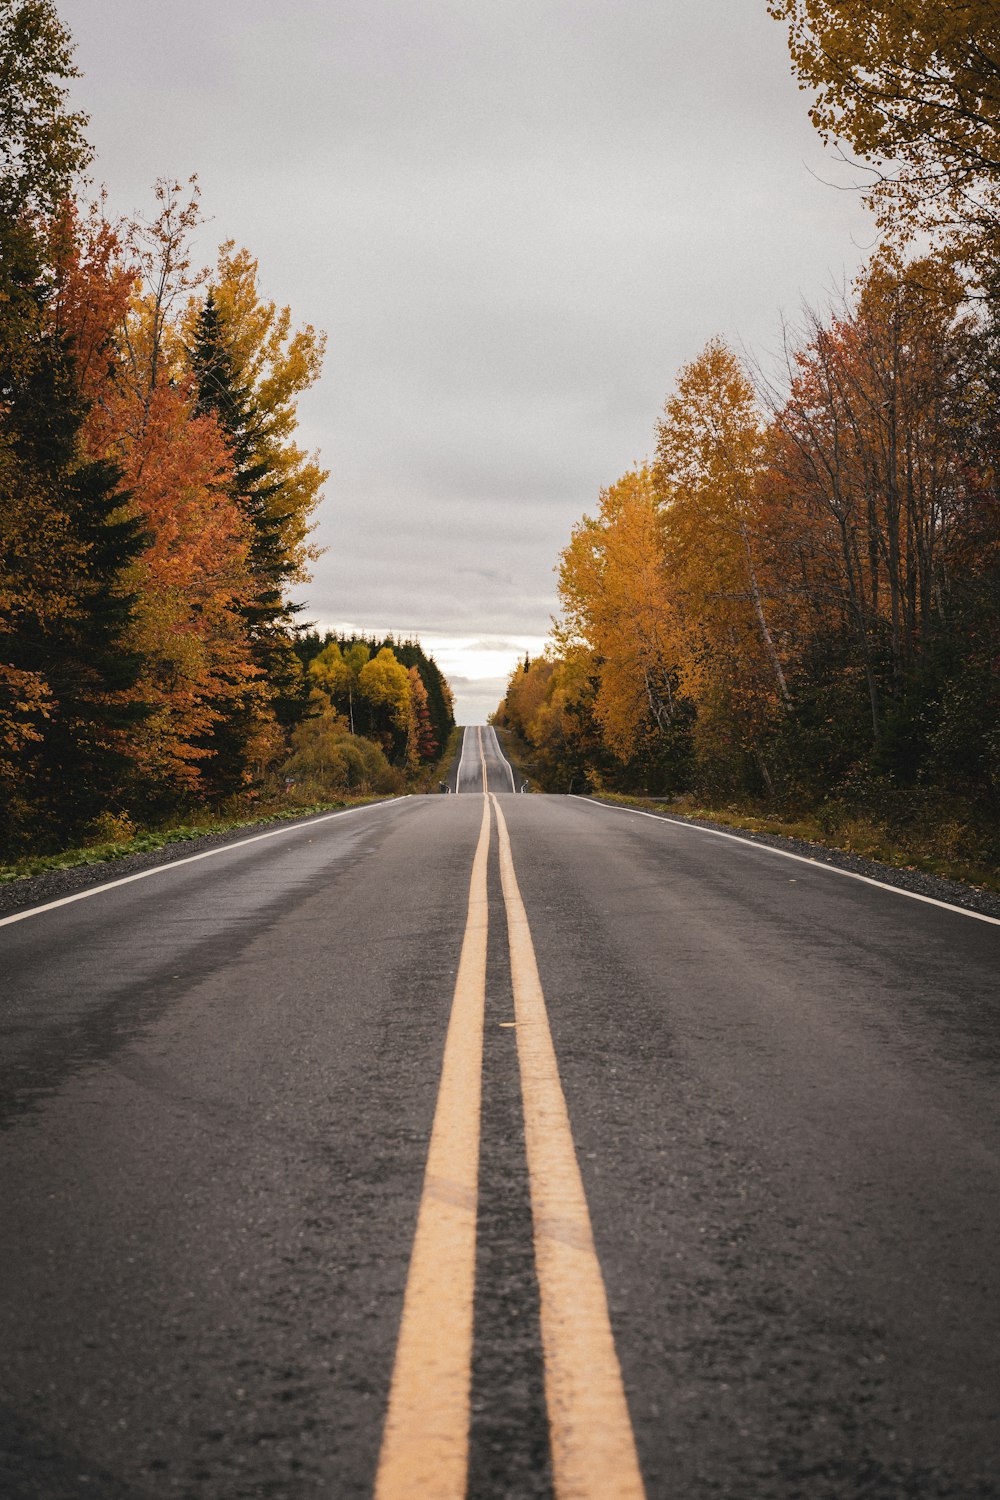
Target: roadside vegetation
(353,776)
(156,517)
(790,615)
(110,844)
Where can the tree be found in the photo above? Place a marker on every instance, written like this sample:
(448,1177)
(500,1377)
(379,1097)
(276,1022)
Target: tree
(278,691)
(615,595)
(709,460)
(421,743)
(336,672)
(271,364)
(327,761)
(440,704)
(865,447)
(67,609)
(193,580)
(550,704)
(385,688)
(915,87)
(42,143)
(68,539)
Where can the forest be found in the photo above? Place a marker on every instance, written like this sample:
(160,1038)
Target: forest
(156,511)
(794,604)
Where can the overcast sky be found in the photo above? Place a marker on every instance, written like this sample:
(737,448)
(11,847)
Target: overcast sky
(515,219)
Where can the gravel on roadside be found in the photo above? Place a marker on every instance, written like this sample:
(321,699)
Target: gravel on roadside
(952,892)
(53,885)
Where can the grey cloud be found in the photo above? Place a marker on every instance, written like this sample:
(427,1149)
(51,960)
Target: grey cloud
(515,221)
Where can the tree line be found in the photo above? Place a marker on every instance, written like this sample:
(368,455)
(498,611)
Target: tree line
(379,710)
(797,598)
(155,504)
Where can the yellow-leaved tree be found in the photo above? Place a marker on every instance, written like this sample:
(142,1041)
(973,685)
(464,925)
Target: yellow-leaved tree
(273,364)
(710,458)
(616,599)
(385,687)
(914,87)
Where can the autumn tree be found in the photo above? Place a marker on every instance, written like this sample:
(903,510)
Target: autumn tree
(420,741)
(616,599)
(327,761)
(549,704)
(709,460)
(364,681)
(68,540)
(866,449)
(154,504)
(336,671)
(276,695)
(440,703)
(916,89)
(193,579)
(271,363)
(385,690)
(42,142)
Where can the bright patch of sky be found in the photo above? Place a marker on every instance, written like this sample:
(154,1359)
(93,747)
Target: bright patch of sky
(516,221)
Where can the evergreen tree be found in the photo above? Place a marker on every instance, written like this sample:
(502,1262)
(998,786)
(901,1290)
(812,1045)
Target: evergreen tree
(66,538)
(269,617)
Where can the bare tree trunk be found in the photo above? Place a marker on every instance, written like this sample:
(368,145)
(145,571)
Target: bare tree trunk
(766,637)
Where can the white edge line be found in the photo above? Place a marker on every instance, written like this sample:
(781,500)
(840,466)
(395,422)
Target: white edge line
(510,768)
(802,859)
(189,859)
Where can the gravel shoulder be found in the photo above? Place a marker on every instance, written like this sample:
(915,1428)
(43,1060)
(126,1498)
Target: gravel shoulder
(54,885)
(935,887)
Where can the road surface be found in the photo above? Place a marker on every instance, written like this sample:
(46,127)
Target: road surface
(481,764)
(748,1251)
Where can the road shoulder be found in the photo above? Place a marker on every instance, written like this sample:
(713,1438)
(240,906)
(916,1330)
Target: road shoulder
(53,885)
(935,887)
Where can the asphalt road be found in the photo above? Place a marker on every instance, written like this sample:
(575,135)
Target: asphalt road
(218,1084)
(481,764)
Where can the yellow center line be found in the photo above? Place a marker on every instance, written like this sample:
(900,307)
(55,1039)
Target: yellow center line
(425,1442)
(482,762)
(593,1447)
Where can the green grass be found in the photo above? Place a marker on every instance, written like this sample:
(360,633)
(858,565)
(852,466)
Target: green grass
(122,840)
(144,840)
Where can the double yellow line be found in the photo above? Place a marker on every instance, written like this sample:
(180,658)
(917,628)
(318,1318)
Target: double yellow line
(482,762)
(425,1445)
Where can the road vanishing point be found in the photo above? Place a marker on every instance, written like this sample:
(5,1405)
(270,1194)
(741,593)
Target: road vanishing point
(498,1145)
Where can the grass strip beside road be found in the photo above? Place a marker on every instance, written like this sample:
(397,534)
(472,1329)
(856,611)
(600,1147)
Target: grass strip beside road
(145,841)
(860,836)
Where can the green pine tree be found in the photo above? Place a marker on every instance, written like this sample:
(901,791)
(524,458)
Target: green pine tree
(66,536)
(68,541)
(270,618)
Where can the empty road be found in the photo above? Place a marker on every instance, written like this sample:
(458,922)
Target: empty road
(499,1145)
(481,765)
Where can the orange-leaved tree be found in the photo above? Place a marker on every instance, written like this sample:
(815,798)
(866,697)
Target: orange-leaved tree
(193,578)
